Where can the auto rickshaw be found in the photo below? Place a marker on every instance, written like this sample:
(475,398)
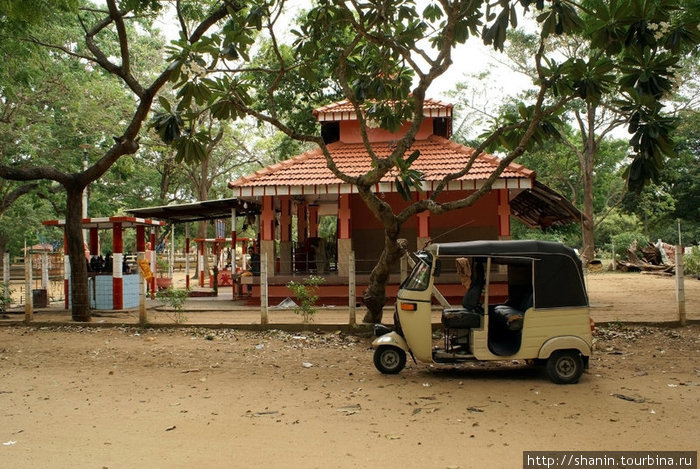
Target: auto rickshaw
(543,317)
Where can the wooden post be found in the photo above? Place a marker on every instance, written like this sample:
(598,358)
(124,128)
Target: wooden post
(263,289)
(351,287)
(680,287)
(29,300)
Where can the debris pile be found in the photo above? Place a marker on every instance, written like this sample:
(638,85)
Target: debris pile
(657,257)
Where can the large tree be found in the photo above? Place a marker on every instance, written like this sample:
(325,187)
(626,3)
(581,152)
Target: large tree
(386,54)
(108,47)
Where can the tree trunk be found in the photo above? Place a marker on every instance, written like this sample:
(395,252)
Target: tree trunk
(76,254)
(375,295)
(587,160)
(588,225)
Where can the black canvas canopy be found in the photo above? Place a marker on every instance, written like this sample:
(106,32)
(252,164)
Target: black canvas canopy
(558,280)
(197,211)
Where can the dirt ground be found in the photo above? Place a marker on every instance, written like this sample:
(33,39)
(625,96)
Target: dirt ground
(122,397)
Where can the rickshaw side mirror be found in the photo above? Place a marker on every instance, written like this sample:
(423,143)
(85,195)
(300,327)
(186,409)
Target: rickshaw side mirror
(438,268)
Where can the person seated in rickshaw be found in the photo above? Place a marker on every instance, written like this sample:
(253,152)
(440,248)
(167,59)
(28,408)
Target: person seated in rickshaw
(473,279)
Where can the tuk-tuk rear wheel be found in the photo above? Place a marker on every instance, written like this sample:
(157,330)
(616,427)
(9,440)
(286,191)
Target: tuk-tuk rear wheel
(389,360)
(565,366)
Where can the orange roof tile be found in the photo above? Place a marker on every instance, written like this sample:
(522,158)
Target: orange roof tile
(438,157)
(344,110)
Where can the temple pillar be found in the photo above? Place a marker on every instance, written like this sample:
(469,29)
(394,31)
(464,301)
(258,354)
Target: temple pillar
(423,232)
(285,235)
(267,233)
(301,223)
(344,235)
(94,242)
(503,214)
(313,221)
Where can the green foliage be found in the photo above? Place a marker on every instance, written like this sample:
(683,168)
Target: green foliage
(306,294)
(570,235)
(691,262)
(407,178)
(176,300)
(614,224)
(623,241)
(5,297)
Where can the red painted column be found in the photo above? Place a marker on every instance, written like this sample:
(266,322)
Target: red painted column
(301,223)
(344,235)
(267,219)
(503,214)
(117,258)
(285,218)
(285,245)
(423,235)
(94,242)
(266,249)
(344,225)
(313,221)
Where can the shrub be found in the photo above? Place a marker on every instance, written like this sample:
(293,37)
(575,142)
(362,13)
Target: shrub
(176,300)
(624,240)
(691,262)
(306,294)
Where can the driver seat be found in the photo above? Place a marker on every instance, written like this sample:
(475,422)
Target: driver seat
(471,312)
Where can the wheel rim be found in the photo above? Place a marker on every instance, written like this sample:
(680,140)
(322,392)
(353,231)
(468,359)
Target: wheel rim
(389,359)
(566,367)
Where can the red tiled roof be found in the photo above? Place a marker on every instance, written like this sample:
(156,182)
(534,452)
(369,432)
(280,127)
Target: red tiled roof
(438,157)
(344,110)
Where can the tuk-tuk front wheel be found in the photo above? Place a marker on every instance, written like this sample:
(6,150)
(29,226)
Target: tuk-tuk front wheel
(565,366)
(389,360)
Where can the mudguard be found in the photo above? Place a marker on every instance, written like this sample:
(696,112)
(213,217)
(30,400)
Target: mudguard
(567,342)
(392,338)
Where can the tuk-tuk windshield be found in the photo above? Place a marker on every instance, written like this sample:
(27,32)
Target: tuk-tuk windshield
(419,278)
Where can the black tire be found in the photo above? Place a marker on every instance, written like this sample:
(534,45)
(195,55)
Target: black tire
(389,360)
(565,366)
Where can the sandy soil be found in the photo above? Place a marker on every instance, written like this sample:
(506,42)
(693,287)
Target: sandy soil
(125,397)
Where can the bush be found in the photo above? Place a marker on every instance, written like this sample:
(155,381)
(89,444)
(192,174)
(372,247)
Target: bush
(306,294)
(624,240)
(176,300)
(691,262)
